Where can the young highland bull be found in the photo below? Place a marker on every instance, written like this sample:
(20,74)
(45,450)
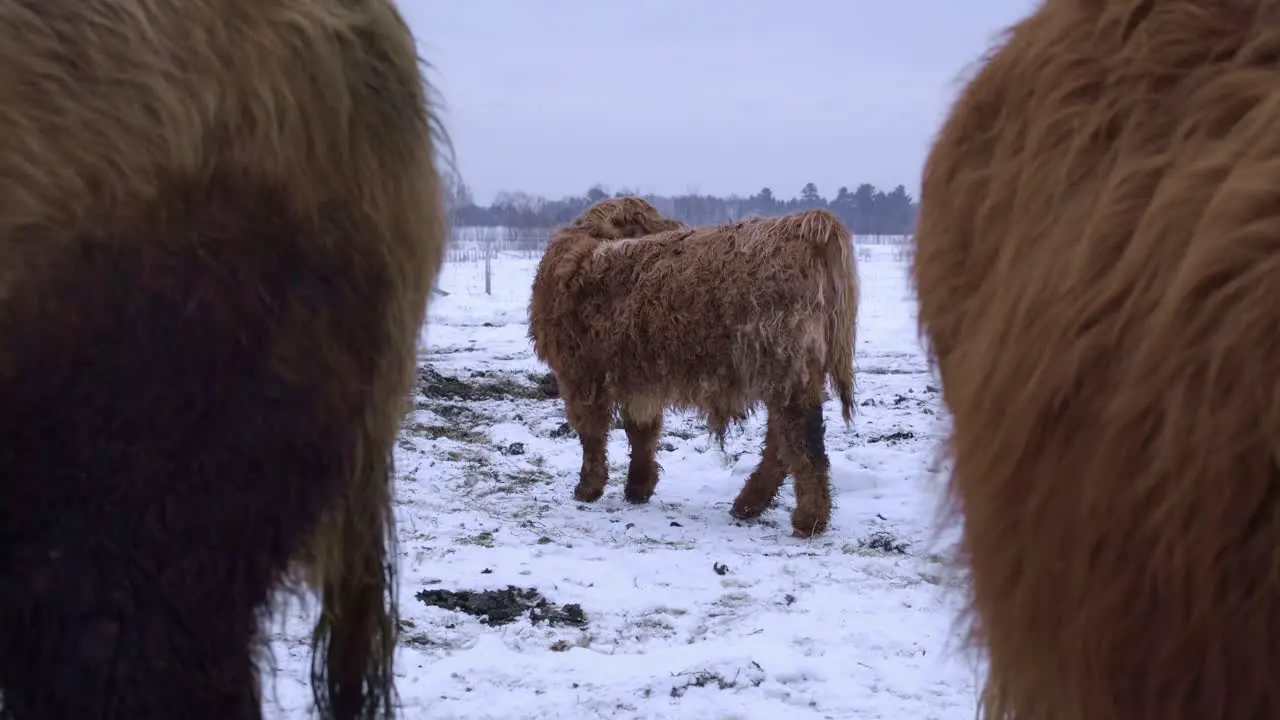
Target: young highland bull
(219,224)
(635,311)
(1098,269)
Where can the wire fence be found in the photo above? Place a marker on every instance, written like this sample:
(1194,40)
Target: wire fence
(484,244)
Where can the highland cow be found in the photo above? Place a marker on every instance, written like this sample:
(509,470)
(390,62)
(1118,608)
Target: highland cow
(636,312)
(1097,264)
(219,225)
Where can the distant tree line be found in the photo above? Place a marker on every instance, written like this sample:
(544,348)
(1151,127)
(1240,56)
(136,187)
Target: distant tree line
(866,209)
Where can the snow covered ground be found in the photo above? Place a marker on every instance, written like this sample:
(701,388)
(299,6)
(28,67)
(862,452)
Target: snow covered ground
(688,613)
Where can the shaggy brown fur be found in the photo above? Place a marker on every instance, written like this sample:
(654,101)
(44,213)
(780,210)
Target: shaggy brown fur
(1097,263)
(219,224)
(636,311)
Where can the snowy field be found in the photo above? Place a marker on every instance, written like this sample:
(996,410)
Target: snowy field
(675,610)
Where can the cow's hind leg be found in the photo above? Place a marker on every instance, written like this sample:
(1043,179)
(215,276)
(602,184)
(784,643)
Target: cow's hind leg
(802,431)
(179,399)
(761,488)
(643,425)
(590,414)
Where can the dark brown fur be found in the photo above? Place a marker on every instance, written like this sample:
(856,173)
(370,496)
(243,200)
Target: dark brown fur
(219,224)
(635,311)
(1097,263)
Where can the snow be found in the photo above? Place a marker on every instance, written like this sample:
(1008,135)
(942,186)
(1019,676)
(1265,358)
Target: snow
(691,614)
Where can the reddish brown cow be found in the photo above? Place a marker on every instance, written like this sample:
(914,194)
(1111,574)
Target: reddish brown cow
(633,310)
(1097,263)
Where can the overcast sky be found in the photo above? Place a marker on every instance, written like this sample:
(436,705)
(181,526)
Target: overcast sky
(716,96)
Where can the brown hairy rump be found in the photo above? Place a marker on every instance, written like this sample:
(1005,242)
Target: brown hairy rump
(1097,260)
(219,225)
(721,319)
